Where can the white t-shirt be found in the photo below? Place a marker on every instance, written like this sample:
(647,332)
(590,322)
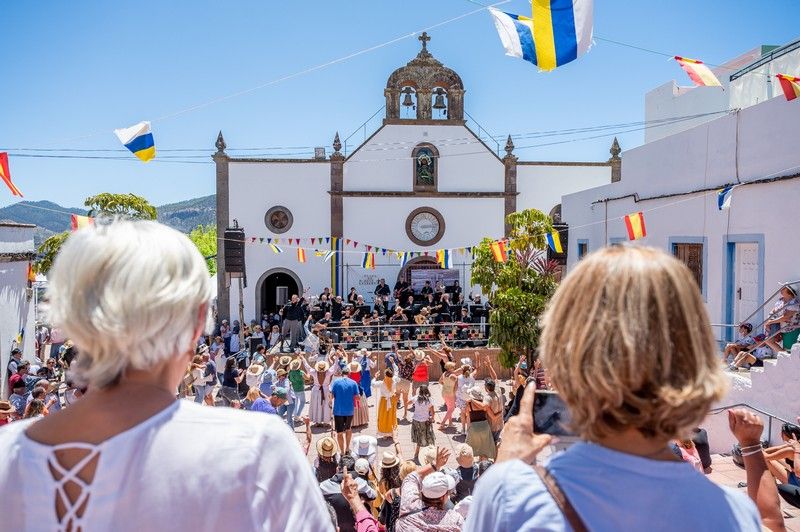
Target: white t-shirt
(422,411)
(188,467)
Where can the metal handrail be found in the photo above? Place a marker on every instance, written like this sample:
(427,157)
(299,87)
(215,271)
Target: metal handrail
(766,301)
(362,126)
(771,416)
(481,128)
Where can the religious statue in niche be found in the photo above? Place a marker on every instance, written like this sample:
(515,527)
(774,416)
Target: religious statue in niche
(425,168)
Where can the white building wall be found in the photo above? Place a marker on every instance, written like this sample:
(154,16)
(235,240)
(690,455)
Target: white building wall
(541,186)
(16,310)
(760,84)
(384,162)
(302,188)
(682,163)
(671,100)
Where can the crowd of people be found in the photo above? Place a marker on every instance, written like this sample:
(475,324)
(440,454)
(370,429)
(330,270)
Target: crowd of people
(111,445)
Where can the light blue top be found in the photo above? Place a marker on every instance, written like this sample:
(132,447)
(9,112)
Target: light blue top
(611,491)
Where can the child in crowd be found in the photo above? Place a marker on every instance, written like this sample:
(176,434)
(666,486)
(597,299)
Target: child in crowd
(422,420)
(742,343)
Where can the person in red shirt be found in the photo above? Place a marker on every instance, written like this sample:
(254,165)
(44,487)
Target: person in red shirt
(420,375)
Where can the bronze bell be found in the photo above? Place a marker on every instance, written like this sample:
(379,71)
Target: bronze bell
(438,102)
(407,98)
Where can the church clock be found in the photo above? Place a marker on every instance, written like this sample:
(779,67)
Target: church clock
(425,226)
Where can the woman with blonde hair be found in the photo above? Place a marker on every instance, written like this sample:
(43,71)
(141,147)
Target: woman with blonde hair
(135,296)
(628,346)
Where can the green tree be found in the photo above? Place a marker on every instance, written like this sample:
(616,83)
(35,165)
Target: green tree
(100,206)
(205,238)
(107,204)
(519,288)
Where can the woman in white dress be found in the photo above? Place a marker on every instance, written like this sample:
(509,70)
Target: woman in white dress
(134,296)
(464,384)
(319,409)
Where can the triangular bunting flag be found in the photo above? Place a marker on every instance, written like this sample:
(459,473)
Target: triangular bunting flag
(355,244)
(261,239)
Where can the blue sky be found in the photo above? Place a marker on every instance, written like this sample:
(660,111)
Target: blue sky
(74,71)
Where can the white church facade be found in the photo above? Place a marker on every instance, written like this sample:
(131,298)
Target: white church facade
(424,181)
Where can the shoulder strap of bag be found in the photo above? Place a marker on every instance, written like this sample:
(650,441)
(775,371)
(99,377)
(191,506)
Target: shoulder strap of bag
(561,499)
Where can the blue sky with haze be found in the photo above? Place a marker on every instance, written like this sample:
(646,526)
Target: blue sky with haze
(74,71)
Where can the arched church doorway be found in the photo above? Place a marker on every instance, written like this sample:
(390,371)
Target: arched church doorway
(274,288)
(417,263)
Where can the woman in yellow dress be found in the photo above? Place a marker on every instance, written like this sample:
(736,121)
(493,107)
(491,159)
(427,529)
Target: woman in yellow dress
(387,405)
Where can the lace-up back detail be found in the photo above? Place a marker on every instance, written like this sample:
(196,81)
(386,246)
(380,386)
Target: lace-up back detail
(73,484)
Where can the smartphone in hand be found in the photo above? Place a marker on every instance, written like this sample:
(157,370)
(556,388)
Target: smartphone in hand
(551,416)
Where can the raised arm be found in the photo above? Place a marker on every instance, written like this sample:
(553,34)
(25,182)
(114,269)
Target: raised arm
(747,428)
(488,364)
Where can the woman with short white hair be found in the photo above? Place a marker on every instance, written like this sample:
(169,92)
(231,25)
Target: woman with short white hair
(134,297)
(628,346)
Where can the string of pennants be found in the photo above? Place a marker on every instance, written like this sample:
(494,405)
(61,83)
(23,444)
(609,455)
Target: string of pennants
(634,224)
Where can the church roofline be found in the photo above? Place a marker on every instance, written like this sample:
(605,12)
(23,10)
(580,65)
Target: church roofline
(268,160)
(563,163)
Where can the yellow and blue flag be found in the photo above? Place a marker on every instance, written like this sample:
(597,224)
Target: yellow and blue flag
(139,140)
(554,241)
(444,257)
(368,262)
(558,32)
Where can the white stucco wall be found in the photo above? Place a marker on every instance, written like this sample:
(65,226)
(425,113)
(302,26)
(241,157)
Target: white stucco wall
(16,311)
(672,100)
(541,186)
(302,188)
(385,163)
(760,84)
(682,163)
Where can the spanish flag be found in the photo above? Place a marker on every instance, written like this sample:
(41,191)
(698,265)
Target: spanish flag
(789,84)
(79,222)
(499,251)
(301,255)
(5,175)
(139,140)
(698,72)
(368,262)
(635,225)
(31,273)
(554,241)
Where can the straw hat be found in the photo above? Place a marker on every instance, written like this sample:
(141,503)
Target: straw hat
(321,366)
(389,459)
(6,408)
(427,455)
(281,372)
(255,369)
(361,466)
(355,367)
(295,365)
(326,447)
(285,360)
(476,394)
(419,355)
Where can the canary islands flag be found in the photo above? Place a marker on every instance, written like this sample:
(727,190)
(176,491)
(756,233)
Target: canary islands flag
(275,248)
(138,139)
(554,241)
(724,197)
(444,257)
(558,32)
(368,262)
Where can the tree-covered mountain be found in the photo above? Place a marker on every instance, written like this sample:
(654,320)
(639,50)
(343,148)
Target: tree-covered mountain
(51,218)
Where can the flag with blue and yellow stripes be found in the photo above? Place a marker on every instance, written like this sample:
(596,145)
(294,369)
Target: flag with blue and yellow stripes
(558,32)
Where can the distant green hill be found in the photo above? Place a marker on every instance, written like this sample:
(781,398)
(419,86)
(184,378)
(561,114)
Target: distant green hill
(52,218)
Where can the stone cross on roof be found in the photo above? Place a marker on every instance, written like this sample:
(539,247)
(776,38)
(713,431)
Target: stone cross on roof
(424,38)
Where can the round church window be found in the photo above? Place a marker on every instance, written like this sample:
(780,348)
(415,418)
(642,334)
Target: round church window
(278,219)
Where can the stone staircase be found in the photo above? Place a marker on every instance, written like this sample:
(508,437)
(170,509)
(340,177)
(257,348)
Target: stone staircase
(773,388)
